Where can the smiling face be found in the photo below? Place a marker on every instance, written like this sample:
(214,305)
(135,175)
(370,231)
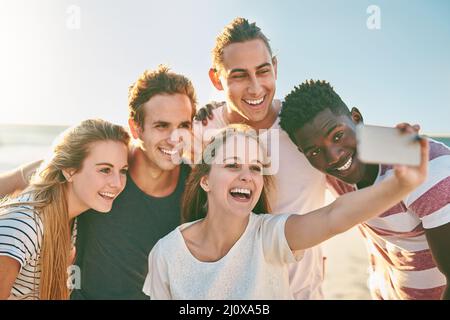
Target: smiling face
(247,76)
(101,178)
(235,181)
(329,144)
(163,114)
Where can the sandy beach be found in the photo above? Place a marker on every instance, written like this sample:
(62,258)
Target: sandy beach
(346,269)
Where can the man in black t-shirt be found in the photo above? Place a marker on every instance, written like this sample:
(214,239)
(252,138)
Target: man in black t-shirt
(112,248)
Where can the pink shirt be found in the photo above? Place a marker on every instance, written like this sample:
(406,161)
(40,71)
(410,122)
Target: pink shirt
(401,263)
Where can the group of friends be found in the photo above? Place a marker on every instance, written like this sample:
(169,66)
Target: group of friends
(138,224)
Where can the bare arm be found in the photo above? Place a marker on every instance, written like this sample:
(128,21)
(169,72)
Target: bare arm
(17,179)
(305,231)
(9,269)
(439,242)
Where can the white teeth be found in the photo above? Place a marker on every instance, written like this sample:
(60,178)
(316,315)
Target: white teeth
(254,102)
(107,194)
(239,190)
(168,152)
(346,165)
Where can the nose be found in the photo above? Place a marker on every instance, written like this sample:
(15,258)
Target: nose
(245,174)
(117,181)
(174,138)
(255,87)
(333,155)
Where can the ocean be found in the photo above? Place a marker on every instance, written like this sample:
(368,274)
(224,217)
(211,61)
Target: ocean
(25,143)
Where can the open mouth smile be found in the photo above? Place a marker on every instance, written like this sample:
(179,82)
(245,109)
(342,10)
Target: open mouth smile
(241,194)
(254,103)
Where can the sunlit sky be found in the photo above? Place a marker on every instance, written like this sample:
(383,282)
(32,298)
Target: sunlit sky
(53,73)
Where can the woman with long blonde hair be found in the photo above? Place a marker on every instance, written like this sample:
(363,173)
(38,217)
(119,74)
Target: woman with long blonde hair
(230,252)
(87,169)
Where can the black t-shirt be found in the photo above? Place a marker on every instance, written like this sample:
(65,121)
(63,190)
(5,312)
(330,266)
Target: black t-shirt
(113,248)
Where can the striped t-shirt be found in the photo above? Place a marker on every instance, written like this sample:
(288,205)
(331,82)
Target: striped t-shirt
(401,263)
(21,239)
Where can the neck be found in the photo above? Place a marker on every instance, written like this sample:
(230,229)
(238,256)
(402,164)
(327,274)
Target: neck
(233,116)
(74,206)
(370,174)
(151,179)
(223,229)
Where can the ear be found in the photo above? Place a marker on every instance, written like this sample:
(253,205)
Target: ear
(134,128)
(275,66)
(68,173)
(356,116)
(204,183)
(215,80)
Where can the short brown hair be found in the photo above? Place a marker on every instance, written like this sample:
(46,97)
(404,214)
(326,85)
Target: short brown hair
(239,30)
(154,82)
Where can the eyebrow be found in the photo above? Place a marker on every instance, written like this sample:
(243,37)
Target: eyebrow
(332,128)
(168,123)
(105,164)
(329,130)
(245,70)
(109,164)
(160,122)
(186,122)
(237,159)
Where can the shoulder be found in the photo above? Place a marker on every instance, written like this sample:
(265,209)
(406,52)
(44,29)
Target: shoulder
(21,217)
(438,149)
(169,242)
(267,220)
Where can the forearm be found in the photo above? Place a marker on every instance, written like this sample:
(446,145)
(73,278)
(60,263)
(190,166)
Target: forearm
(17,179)
(356,207)
(10,182)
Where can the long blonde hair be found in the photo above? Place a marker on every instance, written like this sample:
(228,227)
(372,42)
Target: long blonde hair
(48,198)
(195,199)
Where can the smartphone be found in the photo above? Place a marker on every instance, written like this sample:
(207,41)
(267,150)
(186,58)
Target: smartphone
(386,145)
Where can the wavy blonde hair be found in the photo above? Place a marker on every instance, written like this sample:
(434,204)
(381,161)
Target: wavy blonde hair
(195,200)
(48,198)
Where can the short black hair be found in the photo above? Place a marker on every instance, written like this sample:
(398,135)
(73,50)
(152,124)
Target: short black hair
(305,101)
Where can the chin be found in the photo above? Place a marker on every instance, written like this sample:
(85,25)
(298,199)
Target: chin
(103,209)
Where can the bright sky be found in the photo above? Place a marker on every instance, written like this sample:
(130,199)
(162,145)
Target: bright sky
(52,72)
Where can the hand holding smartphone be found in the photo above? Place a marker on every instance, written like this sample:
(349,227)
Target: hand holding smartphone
(386,145)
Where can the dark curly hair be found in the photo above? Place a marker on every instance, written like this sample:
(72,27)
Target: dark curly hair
(303,104)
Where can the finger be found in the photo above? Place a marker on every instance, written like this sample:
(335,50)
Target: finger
(210,111)
(424,154)
(406,128)
(202,114)
(198,115)
(402,126)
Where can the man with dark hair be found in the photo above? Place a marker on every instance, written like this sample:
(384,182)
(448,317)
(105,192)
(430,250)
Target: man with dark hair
(408,244)
(246,70)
